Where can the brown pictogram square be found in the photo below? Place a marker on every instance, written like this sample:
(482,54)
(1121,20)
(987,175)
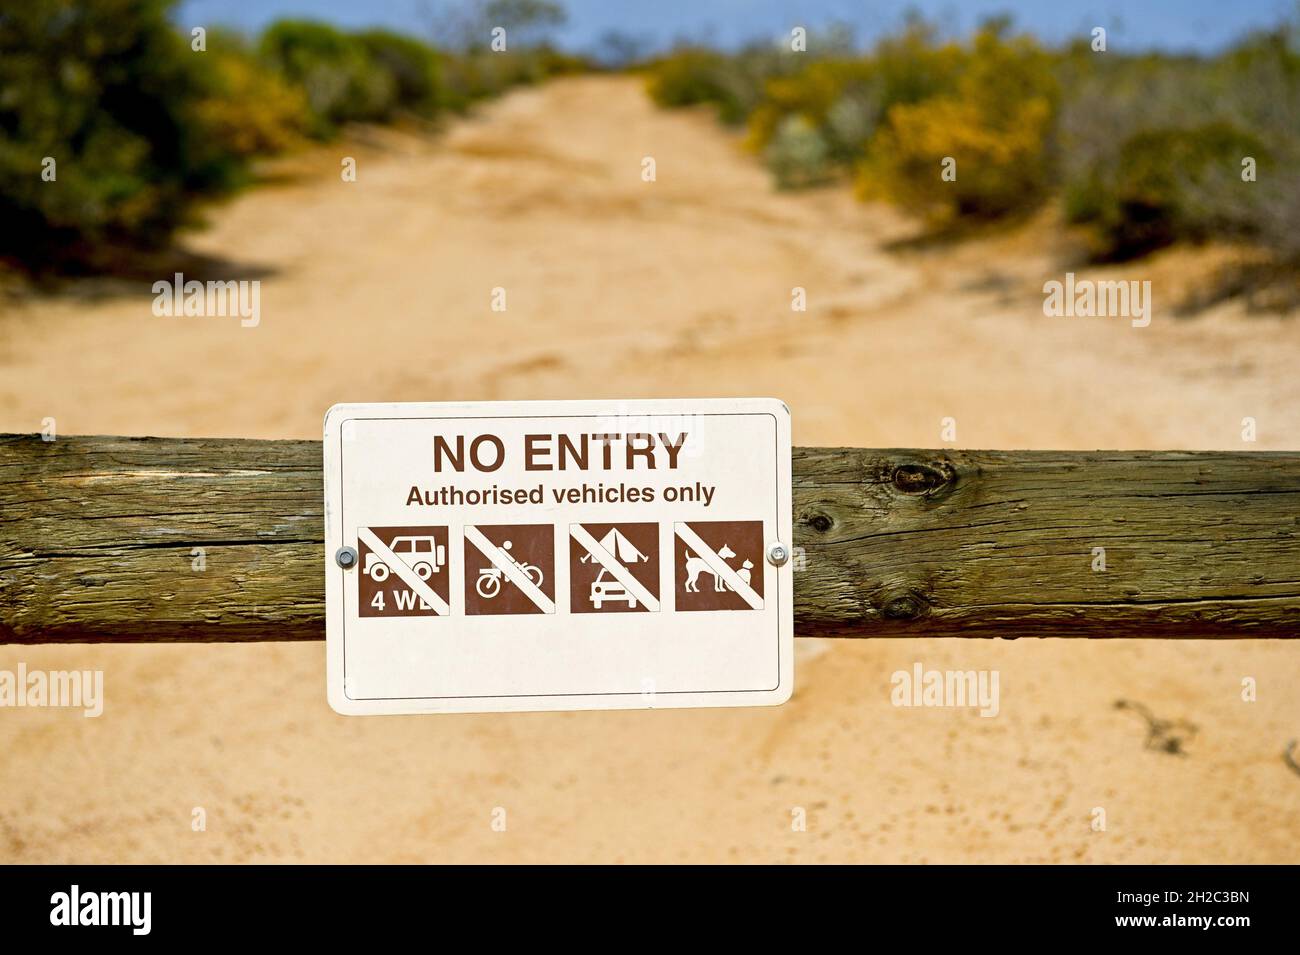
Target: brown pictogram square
(718,565)
(381,592)
(529,549)
(621,574)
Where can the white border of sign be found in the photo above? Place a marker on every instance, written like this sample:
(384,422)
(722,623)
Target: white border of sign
(337,535)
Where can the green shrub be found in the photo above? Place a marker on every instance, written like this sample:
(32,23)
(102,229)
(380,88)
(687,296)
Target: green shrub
(1152,147)
(798,154)
(342,81)
(690,77)
(1169,184)
(1145,150)
(478,74)
(464,79)
(843,100)
(141,127)
(551,62)
(914,66)
(810,95)
(412,65)
(733,84)
(247,109)
(108,90)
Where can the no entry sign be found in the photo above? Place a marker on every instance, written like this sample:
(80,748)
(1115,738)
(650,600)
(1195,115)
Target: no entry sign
(558,555)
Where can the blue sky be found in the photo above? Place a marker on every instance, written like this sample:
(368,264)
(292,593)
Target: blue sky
(1176,25)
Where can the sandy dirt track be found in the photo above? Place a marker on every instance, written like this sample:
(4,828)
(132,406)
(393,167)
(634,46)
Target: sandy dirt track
(380,290)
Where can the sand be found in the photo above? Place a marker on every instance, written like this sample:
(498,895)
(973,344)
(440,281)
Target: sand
(615,287)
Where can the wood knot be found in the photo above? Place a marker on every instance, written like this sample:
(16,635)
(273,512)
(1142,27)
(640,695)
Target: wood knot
(820,523)
(922,479)
(908,606)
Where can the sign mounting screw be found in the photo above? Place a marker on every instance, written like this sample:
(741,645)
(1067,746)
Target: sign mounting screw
(777,553)
(346,557)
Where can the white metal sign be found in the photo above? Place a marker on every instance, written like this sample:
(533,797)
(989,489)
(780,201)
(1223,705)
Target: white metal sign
(558,555)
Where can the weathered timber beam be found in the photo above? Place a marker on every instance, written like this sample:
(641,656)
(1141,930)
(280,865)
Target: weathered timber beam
(98,539)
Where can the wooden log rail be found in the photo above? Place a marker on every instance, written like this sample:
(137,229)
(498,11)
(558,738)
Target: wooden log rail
(101,538)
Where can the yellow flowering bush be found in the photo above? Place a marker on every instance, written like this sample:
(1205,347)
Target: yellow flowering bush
(983,150)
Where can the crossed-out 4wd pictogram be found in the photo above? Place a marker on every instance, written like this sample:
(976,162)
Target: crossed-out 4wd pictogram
(509,569)
(403,572)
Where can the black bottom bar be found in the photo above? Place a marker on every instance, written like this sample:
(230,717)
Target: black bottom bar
(339,903)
